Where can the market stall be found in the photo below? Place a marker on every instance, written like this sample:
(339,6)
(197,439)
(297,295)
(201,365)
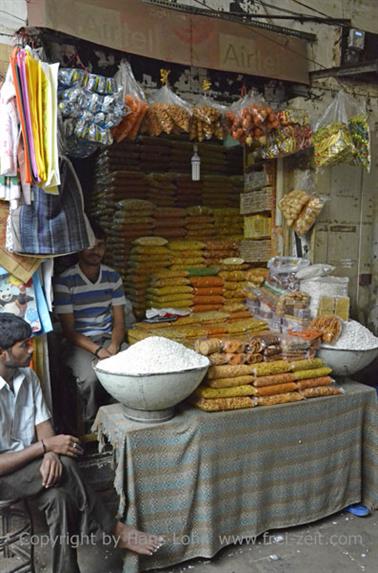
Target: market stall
(202,479)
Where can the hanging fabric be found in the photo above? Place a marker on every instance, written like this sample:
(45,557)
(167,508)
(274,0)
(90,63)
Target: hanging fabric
(9,129)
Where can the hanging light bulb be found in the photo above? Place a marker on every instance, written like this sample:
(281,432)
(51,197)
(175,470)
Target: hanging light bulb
(196,164)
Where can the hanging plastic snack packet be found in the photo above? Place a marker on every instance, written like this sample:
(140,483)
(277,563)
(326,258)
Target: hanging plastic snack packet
(135,102)
(360,132)
(332,138)
(293,135)
(208,118)
(167,113)
(250,119)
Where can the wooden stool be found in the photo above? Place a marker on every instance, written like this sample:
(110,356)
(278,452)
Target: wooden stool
(11,535)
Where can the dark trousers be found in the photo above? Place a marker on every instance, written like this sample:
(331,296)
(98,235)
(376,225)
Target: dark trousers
(70,508)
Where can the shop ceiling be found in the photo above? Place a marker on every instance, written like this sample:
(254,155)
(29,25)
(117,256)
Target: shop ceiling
(189,39)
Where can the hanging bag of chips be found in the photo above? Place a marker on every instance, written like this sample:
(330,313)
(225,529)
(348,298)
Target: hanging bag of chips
(167,113)
(342,134)
(135,104)
(208,117)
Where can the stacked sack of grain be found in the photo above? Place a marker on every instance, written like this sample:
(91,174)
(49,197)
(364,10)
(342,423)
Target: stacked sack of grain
(208,293)
(228,223)
(219,249)
(169,289)
(200,223)
(217,191)
(170,222)
(186,254)
(161,189)
(147,256)
(188,192)
(132,219)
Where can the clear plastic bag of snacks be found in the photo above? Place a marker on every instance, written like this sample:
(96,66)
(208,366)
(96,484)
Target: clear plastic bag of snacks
(342,134)
(135,102)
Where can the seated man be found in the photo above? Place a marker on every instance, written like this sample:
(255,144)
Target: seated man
(90,301)
(35,462)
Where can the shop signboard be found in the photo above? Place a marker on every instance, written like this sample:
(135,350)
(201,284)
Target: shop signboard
(172,36)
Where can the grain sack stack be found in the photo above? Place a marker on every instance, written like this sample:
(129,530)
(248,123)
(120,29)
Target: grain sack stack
(188,192)
(186,254)
(208,293)
(162,294)
(217,191)
(200,223)
(155,154)
(147,256)
(228,223)
(218,249)
(170,222)
(161,189)
(132,219)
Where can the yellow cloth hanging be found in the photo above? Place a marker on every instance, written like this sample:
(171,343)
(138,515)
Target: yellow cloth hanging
(32,74)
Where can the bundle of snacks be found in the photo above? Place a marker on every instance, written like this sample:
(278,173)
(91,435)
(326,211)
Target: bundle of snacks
(309,215)
(298,348)
(186,254)
(294,135)
(90,105)
(320,391)
(161,190)
(169,222)
(218,249)
(222,404)
(135,102)
(234,285)
(251,119)
(148,255)
(167,113)
(292,204)
(208,293)
(228,222)
(171,296)
(359,130)
(200,223)
(207,120)
(329,326)
(342,134)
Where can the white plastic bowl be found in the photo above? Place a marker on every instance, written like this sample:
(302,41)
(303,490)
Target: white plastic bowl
(347,362)
(151,393)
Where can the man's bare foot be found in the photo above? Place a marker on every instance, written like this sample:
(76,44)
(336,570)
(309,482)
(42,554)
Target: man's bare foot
(134,540)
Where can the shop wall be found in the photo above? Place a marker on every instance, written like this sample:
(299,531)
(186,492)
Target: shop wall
(12,17)
(346,235)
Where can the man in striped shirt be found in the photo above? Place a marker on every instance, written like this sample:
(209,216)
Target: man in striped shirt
(90,302)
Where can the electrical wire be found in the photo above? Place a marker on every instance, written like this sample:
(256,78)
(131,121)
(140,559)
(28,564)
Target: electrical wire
(311,8)
(12,15)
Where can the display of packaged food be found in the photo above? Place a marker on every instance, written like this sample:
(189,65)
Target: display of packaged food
(329,326)
(230,392)
(275,389)
(229,371)
(279,399)
(256,201)
(223,404)
(273,380)
(268,368)
(313,373)
(314,382)
(230,382)
(292,204)
(321,391)
(312,363)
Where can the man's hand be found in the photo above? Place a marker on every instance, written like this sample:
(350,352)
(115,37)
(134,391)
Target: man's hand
(65,445)
(113,348)
(51,469)
(103,353)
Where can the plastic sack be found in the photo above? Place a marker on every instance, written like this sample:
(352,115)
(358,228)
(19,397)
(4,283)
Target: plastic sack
(250,119)
(135,102)
(301,207)
(314,271)
(167,113)
(293,135)
(342,134)
(207,120)
(282,272)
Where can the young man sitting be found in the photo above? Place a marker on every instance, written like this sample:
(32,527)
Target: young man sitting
(90,302)
(34,462)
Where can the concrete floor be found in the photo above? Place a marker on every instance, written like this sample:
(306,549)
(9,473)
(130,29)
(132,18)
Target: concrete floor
(339,544)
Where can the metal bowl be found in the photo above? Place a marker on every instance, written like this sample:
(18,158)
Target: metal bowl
(151,397)
(347,362)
